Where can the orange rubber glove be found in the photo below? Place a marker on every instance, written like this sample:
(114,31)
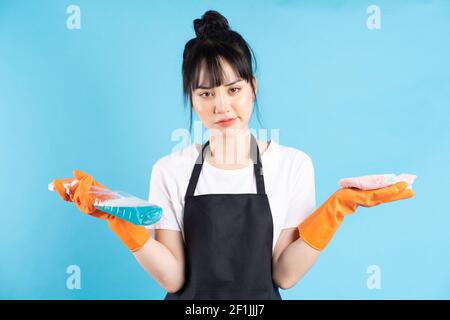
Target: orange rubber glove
(318,229)
(133,236)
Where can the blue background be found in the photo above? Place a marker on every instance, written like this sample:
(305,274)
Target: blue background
(106,99)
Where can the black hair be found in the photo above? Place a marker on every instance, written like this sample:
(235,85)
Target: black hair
(214,41)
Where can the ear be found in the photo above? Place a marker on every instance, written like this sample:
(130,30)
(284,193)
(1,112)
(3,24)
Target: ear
(255,84)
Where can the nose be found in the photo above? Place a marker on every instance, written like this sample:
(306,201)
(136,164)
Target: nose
(221,102)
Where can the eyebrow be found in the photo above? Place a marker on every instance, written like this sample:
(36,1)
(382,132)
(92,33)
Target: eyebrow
(229,84)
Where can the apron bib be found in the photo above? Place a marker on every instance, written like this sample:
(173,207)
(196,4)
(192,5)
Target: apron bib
(228,242)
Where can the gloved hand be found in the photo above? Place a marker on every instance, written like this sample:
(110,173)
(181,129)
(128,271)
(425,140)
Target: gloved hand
(133,236)
(59,188)
(318,229)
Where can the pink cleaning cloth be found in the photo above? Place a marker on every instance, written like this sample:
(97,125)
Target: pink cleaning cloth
(376,181)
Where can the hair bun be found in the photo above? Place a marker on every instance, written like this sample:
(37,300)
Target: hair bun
(212,23)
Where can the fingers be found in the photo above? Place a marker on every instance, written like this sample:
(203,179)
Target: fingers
(402,185)
(100,214)
(388,192)
(58,186)
(404,194)
(82,198)
(79,193)
(394,192)
(78,174)
(72,188)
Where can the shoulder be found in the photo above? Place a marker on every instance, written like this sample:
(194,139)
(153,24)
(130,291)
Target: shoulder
(289,155)
(178,160)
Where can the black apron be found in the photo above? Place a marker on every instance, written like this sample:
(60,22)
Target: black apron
(228,242)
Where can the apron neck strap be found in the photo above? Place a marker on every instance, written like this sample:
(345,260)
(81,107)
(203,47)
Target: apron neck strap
(257,168)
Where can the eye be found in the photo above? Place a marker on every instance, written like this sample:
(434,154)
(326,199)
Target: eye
(235,90)
(205,94)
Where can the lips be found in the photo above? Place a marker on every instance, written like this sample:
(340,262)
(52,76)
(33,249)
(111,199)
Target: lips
(225,120)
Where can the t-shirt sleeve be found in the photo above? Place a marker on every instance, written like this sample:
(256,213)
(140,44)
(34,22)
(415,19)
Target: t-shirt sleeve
(162,193)
(302,200)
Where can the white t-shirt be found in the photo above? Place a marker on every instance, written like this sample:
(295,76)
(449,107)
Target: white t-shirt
(288,179)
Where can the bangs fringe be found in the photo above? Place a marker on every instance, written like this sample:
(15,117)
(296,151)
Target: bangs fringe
(214,75)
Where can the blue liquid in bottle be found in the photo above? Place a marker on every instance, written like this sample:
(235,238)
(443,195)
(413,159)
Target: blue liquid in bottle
(139,215)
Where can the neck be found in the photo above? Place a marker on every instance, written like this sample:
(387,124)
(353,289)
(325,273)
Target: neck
(230,149)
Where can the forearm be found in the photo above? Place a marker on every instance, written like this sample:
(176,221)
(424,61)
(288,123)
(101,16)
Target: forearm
(159,262)
(293,263)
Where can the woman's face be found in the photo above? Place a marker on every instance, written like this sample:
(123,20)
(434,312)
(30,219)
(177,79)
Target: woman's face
(232,100)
